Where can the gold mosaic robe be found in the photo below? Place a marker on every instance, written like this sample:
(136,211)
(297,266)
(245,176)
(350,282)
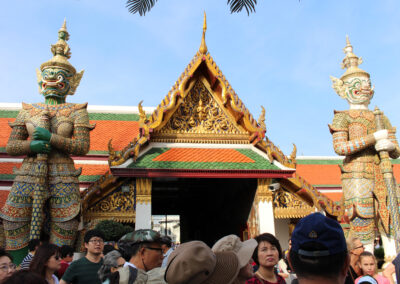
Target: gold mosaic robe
(363,187)
(69,125)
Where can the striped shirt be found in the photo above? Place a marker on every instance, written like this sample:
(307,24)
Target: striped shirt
(26,262)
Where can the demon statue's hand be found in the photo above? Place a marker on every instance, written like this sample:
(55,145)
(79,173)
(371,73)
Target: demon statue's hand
(40,147)
(42,134)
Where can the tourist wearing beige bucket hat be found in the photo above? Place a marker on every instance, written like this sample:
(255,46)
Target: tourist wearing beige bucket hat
(244,252)
(195,263)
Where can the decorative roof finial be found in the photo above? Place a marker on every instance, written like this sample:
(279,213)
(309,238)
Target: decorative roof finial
(203,46)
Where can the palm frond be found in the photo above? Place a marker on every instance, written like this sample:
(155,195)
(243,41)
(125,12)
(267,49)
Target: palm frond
(237,5)
(140,6)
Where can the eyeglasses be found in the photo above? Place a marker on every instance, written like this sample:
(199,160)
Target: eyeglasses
(119,266)
(156,249)
(96,241)
(6,267)
(362,246)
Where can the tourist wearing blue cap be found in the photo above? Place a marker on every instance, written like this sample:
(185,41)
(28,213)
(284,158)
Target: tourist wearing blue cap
(367,280)
(319,252)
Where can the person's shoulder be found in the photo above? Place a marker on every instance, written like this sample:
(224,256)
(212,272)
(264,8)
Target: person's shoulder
(78,262)
(253,280)
(280,279)
(382,279)
(396,261)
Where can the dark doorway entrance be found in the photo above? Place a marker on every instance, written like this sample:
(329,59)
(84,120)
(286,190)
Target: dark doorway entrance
(209,208)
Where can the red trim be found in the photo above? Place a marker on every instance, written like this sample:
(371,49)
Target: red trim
(200,173)
(6,183)
(10,183)
(5,155)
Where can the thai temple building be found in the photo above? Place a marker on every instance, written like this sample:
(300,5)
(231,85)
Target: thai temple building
(199,158)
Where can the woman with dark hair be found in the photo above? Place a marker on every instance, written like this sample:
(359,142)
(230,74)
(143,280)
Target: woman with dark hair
(266,256)
(24,276)
(7,267)
(46,262)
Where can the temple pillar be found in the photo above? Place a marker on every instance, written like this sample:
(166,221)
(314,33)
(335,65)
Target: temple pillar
(265,206)
(143,203)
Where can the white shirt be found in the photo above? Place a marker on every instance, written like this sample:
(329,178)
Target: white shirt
(127,263)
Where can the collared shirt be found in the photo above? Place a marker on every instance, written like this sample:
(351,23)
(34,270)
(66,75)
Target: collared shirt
(166,255)
(127,263)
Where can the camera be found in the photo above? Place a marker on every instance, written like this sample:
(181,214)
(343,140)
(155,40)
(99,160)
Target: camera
(274,186)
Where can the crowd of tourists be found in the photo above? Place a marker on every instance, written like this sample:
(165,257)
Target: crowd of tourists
(318,253)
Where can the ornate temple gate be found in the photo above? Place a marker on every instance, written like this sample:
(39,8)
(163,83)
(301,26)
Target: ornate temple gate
(202,155)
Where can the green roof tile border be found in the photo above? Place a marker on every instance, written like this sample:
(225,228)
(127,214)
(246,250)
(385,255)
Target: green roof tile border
(7,177)
(96,152)
(319,162)
(92,115)
(146,162)
(8,113)
(114,116)
(89,178)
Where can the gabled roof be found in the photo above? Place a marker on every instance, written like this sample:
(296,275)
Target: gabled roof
(199,96)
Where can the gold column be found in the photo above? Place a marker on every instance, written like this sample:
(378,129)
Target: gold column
(143,190)
(263,193)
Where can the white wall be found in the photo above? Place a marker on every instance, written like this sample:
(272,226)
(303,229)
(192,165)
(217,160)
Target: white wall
(282,232)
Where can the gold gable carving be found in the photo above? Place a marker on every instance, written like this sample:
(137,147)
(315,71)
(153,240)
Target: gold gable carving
(199,117)
(118,206)
(287,205)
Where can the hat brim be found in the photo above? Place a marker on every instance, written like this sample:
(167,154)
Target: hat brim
(246,252)
(226,269)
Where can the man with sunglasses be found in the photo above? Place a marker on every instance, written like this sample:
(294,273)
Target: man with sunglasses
(143,249)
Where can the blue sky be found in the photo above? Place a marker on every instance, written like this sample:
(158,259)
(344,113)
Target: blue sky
(280,57)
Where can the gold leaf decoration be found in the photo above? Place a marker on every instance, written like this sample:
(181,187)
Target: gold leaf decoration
(200,113)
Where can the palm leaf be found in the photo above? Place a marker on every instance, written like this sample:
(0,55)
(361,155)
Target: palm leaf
(237,5)
(140,6)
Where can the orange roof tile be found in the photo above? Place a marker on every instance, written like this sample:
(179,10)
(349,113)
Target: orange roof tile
(396,172)
(7,168)
(203,155)
(320,174)
(121,133)
(92,170)
(5,130)
(3,197)
(335,196)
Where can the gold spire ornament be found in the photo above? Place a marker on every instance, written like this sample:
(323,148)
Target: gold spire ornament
(61,52)
(203,47)
(351,61)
